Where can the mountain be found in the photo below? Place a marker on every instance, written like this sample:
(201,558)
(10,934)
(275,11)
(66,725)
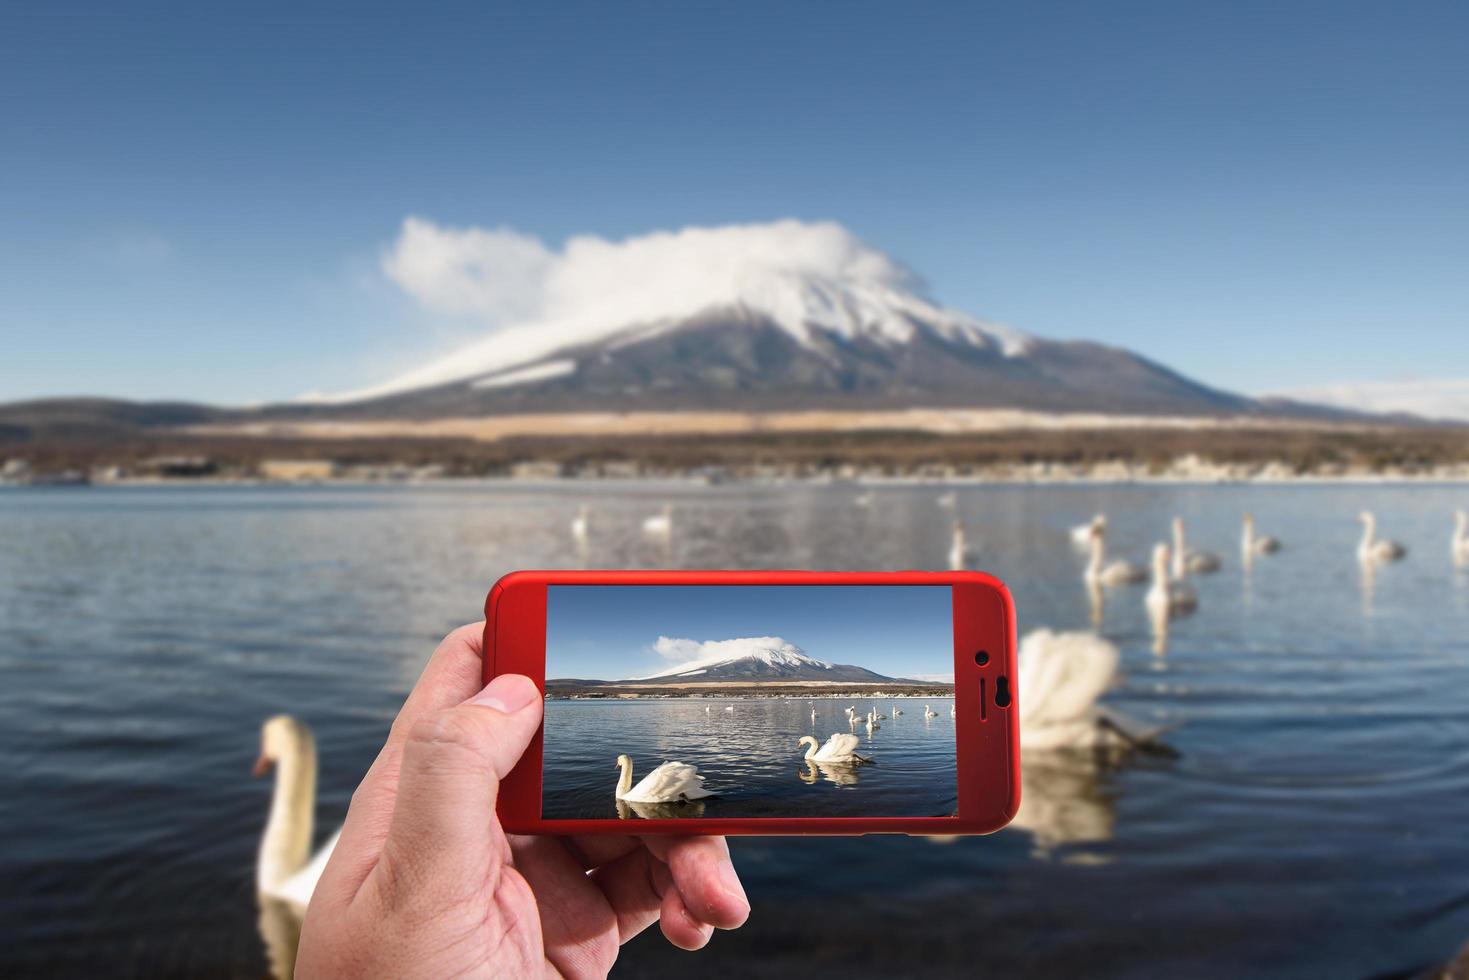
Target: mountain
(1445,399)
(742,359)
(751,659)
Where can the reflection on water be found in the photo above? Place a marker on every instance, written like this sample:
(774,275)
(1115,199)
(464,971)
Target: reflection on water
(1312,824)
(627,809)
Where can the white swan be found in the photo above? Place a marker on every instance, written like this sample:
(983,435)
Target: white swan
(1081,534)
(579,524)
(947,500)
(660,524)
(929,712)
(813,712)
(284,869)
(959,553)
(1062,676)
(1168,596)
(878,714)
(1117,573)
(863,499)
(1190,560)
(839,749)
(954,710)
(671,782)
(729,708)
(1251,544)
(1461,538)
(897,711)
(1372,549)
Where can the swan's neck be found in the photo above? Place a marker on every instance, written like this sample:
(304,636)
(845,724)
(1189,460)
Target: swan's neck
(1178,549)
(1160,568)
(1369,531)
(1098,555)
(1461,529)
(624,782)
(1249,535)
(286,845)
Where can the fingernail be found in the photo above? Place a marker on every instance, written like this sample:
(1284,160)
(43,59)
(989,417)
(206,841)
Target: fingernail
(508,693)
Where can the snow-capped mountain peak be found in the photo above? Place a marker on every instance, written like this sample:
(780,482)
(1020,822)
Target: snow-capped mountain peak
(771,652)
(816,282)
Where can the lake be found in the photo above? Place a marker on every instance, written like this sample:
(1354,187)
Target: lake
(746,750)
(1312,823)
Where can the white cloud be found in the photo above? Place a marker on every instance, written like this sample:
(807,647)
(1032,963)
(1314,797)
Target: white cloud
(1439,399)
(683,650)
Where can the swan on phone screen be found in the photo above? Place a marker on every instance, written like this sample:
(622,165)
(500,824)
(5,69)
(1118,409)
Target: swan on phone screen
(669,783)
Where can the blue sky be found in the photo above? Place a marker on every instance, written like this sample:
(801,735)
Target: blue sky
(194,200)
(609,631)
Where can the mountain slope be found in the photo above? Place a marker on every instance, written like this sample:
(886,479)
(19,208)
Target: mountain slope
(763,658)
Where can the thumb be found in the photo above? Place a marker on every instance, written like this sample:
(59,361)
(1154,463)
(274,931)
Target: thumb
(443,830)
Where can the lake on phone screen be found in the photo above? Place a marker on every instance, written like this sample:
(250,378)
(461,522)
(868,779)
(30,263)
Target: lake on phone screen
(1314,822)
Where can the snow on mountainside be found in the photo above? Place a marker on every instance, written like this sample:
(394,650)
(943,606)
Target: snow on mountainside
(749,658)
(816,282)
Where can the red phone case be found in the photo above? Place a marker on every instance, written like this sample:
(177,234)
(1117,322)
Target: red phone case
(987,752)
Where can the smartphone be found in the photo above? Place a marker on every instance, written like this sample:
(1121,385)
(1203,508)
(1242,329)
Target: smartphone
(761,702)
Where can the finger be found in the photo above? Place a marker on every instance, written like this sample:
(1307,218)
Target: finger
(679,926)
(453,674)
(705,878)
(443,844)
(595,850)
(577,924)
(634,886)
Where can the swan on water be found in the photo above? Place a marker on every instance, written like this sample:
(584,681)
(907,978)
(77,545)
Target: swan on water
(284,868)
(897,711)
(878,714)
(813,712)
(839,748)
(948,500)
(1168,596)
(1188,560)
(1081,534)
(579,524)
(660,524)
(671,782)
(929,712)
(1062,677)
(960,554)
(1373,549)
(954,710)
(729,708)
(1117,573)
(1252,544)
(863,499)
(1461,538)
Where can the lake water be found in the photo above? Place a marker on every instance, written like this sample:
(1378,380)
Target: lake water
(1313,823)
(747,751)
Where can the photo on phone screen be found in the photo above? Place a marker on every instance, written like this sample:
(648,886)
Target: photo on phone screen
(692,701)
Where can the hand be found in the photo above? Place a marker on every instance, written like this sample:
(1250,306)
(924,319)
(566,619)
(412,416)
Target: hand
(425,883)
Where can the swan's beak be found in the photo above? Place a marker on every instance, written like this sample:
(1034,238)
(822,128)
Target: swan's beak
(263,764)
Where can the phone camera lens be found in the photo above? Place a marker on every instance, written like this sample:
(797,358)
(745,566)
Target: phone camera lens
(982,658)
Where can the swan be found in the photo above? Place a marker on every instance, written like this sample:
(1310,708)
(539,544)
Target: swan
(947,500)
(813,712)
(1461,538)
(863,499)
(672,782)
(897,711)
(1117,573)
(1371,549)
(1168,596)
(1186,559)
(282,868)
(953,711)
(878,714)
(579,524)
(929,712)
(660,524)
(1251,544)
(959,553)
(1081,534)
(839,748)
(729,708)
(1062,677)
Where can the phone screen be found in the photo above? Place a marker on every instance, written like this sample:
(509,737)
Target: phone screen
(704,701)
